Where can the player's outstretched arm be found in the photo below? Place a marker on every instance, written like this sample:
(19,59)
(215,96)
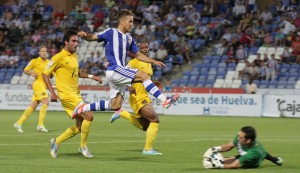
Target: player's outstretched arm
(145,58)
(90,76)
(87,36)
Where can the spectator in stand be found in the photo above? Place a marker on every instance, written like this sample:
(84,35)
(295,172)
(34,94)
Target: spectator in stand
(241,54)
(13,35)
(190,30)
(36,37)
(17,21)
(13,60)
(161,53)
(36,19)
(4,62)
(296,49)
(245,22)
(227,35)
(95,69)
(268,40)
(262,71)
(173,36)
(266,15)
(153,44)
(3,34)
(246,38)
(139,31)
(239,11)
(248,71)
(169,45)
(297,21)
(59,14)
(286,56)
(25,25)
(251,88)
(231,55)
(109,3)
(251,6)
(288,26)
(221,49)
(273,68)
(279,38)
(258,60)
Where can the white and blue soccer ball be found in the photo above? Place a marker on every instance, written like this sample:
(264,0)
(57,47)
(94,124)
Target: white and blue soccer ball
(214,160)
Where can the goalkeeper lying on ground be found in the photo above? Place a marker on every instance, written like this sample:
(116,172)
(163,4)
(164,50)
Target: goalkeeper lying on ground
(251,152)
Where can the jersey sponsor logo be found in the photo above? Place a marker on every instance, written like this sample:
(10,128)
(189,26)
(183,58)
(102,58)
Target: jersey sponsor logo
(51,62)
(43,93)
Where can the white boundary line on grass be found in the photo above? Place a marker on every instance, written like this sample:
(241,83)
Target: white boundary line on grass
(137,141)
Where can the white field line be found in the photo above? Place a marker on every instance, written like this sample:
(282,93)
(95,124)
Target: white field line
(137,141)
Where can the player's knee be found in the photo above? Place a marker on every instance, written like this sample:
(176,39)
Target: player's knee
(88,116)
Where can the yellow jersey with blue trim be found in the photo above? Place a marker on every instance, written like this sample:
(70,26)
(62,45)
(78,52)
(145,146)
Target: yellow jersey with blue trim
(38,65)
(64,66)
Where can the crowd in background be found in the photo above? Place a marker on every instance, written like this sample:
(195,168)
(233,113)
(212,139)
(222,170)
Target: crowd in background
(175,30)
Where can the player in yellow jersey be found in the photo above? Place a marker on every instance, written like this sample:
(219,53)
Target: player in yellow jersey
(145,117)
(64,66)
(35,68)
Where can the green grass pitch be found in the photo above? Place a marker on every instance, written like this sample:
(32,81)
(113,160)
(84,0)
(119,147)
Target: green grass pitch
(117,147)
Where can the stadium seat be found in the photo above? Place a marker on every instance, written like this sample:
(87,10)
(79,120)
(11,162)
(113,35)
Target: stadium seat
(236,83)
(219,83)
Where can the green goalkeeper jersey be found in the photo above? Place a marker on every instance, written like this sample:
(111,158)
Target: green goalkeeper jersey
(250,157)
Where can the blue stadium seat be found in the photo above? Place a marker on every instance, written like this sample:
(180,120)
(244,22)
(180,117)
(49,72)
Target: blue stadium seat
(290,86)
(193,78)
(191,84)
(281,86)
(211,77)
(200,84)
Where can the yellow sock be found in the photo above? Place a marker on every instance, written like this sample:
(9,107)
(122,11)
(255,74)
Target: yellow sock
(43,112)
(25,115)
(151,134)
(70,132)
(85,129)
(131,119)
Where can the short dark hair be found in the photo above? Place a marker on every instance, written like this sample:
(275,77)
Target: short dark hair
(68,34)
(250,132)
(123,13)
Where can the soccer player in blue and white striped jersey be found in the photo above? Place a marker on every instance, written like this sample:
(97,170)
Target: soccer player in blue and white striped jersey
(118,42)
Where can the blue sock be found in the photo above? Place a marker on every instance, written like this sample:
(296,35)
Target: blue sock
(153,90)
(101,105)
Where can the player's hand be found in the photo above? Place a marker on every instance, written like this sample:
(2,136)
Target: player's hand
(106,64)
(53,97)
(131,90)
(82,34)
(35,75)
(159,63)
(97,78)
(209,152)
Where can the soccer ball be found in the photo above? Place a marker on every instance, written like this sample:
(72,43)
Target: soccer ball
(214,160)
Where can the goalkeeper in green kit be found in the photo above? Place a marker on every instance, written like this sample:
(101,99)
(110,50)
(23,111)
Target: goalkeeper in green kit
(251,152)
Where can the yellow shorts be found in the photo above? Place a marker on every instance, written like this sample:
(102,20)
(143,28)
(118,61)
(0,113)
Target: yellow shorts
(70,102)
(39,91)
(137,103)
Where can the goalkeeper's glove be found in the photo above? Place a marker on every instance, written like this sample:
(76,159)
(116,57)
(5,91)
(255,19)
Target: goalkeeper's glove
(210,163)
(209,152)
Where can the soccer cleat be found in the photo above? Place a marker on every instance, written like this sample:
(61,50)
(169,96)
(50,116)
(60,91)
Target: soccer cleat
(171,100)
(41,129)
(18,127)
(151,152)
(78,110)
(85,152)
(54,147)
(279,161)
(116,115)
